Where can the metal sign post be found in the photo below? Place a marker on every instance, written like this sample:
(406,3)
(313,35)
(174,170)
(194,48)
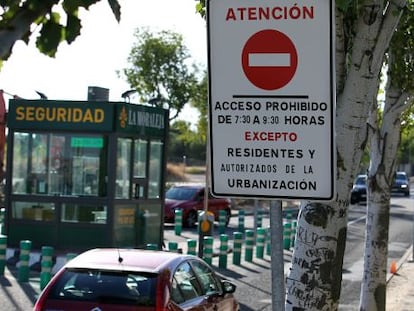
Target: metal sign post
(277,261)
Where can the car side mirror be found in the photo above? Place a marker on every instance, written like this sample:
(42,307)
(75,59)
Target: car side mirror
(228,287)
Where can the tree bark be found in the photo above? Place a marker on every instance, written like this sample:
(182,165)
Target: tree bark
(373,286)
(383,150)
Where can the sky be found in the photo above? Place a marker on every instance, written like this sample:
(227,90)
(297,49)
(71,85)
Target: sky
(101,49)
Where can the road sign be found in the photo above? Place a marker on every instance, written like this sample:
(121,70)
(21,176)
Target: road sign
(271,98)
(269,59)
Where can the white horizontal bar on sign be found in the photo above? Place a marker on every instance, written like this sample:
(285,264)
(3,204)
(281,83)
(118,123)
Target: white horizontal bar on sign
(269,59)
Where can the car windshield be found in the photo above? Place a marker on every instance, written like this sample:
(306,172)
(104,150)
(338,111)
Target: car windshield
(401,177)
(180,193)
(361,180)
(106,287)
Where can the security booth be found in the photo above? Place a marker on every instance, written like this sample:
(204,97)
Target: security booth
(85,174)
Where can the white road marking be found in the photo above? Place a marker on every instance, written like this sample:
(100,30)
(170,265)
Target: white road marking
(356,220)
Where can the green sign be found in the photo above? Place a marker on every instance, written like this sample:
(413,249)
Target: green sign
(60,115)
(144,120)
(87,142)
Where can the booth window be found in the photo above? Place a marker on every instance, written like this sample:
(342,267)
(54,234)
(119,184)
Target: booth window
(140,168)
(84,213)
(20,162)
(131,168)
(59,164)
(155,165)
(123,168)
(140,158)
(39,211)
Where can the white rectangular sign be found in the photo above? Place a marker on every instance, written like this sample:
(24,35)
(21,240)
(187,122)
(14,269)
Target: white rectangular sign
(271,98)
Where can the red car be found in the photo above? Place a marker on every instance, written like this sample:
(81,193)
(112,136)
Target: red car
(131,279)
(190,199)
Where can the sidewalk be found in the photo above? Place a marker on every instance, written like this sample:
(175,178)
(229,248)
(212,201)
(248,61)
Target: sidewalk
(400,286)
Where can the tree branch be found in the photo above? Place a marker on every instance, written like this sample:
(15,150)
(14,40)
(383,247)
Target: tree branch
(390,21)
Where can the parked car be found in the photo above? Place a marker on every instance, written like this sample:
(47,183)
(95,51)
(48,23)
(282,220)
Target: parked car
(190,199)
(401,184)
(131,279)
(359,189)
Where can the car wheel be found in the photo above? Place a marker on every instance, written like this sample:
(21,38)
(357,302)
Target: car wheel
(407,194)
(191,220)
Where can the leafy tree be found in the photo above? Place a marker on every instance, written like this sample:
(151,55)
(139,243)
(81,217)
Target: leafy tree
(363,32)
(185,142)
(200,102)
(159,71)
(19,16)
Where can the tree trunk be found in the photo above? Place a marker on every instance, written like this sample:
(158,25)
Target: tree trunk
(315,279)
(383,152)
(373,287)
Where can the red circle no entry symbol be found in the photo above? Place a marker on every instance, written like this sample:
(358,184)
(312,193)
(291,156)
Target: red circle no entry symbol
(269,59)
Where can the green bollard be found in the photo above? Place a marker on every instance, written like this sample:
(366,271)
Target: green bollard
(248,253)
(3,247)
(191,247)
(259,221)
(173,246)
(224,239)
(178,221)
(46,266)
(237,247)
(288,216)
(152,246)
(222,221)
(2,220)
(286,235)
(260,242)
(241,221)
(23,273)
(268,242)
(208,250)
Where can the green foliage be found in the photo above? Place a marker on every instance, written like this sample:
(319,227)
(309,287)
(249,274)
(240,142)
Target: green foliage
(52,31)
(51,35)
(73,28)
(200,102)
(401,68)
(159,70)
(201,8)
(400,61)
(185,141)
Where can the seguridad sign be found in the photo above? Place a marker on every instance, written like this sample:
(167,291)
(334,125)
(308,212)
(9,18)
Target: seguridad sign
(271,98)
